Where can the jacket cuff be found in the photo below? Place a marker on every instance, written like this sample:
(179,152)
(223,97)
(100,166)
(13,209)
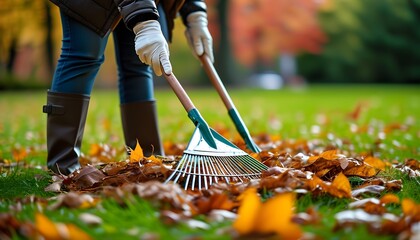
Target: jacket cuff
(135,11)
(190,7)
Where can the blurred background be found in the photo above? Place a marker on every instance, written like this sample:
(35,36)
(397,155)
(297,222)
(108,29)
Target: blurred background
(258,43)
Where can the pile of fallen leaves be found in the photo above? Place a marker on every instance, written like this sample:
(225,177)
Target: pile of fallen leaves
(287,178)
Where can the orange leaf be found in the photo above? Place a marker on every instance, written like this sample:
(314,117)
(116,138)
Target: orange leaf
(46,227)
(272,216)
(340,187)
(136,154)
(410,208)
(389,198)
(154,159)
(275,217)
(248,211)
(19,154)
(76,233)
(315,182)
(361,171)
(329,154)
(375,162)
(51,231)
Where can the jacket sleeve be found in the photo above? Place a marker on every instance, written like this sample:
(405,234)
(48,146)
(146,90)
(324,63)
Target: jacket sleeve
(134,11)
(192,6)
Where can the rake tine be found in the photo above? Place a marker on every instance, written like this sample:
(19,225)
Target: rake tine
(241,169)
(222,168)
(194,174)
(190,161)
(178,167)
(213,170)
(206,171)
(199,172)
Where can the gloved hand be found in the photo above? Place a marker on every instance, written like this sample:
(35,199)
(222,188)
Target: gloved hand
(151,46)
(198,35)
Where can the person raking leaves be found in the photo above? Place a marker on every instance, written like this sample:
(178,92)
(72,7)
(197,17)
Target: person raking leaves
(141,30)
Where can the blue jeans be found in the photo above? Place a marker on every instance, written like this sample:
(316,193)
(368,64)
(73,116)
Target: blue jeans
(82,54)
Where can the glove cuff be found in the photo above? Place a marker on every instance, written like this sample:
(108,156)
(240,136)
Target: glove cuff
(146,24)
(197,17)
(191,7)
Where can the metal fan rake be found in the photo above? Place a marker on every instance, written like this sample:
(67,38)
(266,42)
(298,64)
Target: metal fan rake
(209,157)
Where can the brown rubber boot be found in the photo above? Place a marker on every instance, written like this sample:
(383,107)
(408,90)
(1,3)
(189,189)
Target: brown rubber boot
(139,122)
(65,125)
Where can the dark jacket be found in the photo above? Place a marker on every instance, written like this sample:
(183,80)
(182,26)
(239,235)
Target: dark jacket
(103,15)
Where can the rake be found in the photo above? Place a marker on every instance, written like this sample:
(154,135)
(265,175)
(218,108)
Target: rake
(209,157)
(233,113)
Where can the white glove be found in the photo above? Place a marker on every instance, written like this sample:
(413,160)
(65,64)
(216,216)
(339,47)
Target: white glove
(198,35)
(151,46)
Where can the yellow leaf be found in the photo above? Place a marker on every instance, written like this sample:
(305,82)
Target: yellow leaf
(247,212)
(136,154)
(46,227)
(275,217)
(154,159)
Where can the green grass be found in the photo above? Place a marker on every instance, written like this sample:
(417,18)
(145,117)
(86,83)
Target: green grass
(317,114)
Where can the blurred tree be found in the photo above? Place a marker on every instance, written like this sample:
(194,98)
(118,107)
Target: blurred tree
(25,39)
(261,30)
(369,41)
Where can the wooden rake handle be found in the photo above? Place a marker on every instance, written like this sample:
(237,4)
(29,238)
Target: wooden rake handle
(216,81)
(179,91)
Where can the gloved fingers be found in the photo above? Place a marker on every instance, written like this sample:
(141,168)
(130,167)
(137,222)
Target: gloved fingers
(208,48)
(198,45)
(166,64)
(156,65)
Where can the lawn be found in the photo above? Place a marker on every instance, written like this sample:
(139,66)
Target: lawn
(380,121)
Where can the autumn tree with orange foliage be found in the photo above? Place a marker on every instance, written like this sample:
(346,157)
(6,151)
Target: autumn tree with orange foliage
(263,29)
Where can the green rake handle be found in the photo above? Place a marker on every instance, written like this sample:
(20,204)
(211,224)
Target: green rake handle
(233,113)
(192,111)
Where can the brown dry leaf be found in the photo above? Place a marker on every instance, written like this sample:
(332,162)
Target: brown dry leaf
(218,201)
(355,114)
(87,177)
(340,187)
(412,164)
(375,162)
(137,154)
(363,171)
(74,200)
